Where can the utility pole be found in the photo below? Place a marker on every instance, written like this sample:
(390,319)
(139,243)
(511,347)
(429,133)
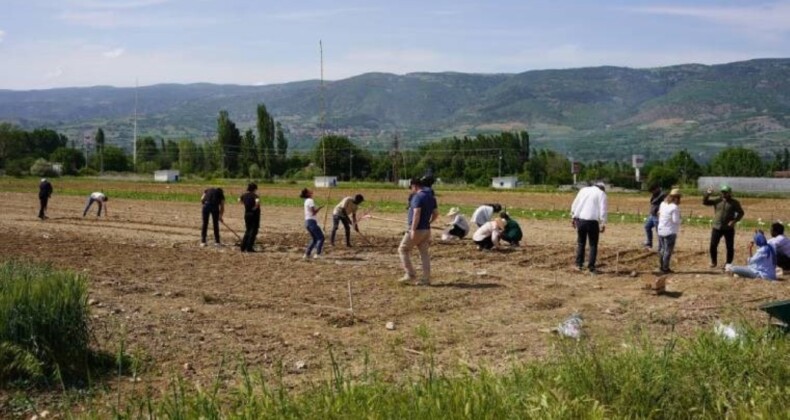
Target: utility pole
(500,162)
(394,154)
(323,108)
(350,164)
(134,136)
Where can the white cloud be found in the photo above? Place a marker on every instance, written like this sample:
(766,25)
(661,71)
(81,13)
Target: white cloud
(54,74)
(114,53)
(116,4)
(105,19)
(2,35)
(313,15)
(770,17)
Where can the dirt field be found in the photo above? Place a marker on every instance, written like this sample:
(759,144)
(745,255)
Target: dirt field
(176,303)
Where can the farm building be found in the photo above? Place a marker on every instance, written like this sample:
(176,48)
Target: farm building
(168,175)
(504,182)
(404,183)
(744,184)
(325,181)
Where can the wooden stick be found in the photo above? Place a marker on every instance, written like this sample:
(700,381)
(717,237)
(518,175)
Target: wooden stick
(326,213)
(617,263)
(231,230)
(412,351)
(350,300)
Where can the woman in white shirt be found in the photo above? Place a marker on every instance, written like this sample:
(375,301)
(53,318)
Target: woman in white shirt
(458,228)
(487,236)
(668,227)
(311,224)
(485,213)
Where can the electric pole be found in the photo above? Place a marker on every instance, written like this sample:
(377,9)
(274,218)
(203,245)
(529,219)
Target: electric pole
(350,164)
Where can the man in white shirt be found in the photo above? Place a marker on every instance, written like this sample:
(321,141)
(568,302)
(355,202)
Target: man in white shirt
(588,213)
(98,198)
(668,228)
(781,245)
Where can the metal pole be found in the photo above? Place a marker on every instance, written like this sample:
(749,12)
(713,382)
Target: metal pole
(500,162)
(134,136)
(323,108)
(350,164)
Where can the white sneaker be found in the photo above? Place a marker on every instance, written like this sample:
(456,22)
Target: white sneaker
(306,257)
(202,244)
(217,245)
(406,279)
(318,257)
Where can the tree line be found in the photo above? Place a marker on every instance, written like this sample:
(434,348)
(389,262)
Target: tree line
(262,154)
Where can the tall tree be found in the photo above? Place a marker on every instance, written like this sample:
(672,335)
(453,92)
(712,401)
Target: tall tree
(684,165)
(737,161)
(100,148)
(265,139)
(248,152)
(282,143)
(229,141)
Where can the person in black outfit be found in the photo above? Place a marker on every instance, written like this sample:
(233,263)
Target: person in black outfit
(657,196)
(213,200)
(44,192)
(252,217)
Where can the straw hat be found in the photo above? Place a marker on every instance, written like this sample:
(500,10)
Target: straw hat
(675,192)
(453,211)
(500,222)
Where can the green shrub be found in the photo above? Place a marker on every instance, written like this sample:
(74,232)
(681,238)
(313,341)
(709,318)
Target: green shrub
(42,168)
(19,167)
(87,171)
(43,323)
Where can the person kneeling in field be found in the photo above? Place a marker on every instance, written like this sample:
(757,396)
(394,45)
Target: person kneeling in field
(100,199)
(781,245)
(511,233)
(459,227)
(487,236)
(762,265)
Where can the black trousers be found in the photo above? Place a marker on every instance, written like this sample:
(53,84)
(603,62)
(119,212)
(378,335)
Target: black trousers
(783,261)
(729,243)
(43,209)
(252,222)
(486,243)
(587,230)
(336,220)
(457,231)
(213,211)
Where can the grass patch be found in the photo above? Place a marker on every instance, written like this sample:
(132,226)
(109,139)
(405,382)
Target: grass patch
(44,332)
(702,377)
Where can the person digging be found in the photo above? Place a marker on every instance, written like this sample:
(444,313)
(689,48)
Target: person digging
(346,213)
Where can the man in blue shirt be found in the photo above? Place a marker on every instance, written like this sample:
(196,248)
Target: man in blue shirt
(423,210)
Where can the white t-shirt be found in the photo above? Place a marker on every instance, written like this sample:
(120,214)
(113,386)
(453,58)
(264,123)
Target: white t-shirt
(461,222)
(98,196)
(488,229)
(309,204)
(482,215)
(668,219)
(781,245)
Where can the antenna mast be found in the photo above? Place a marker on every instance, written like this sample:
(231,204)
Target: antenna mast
(323,107)
(134,136)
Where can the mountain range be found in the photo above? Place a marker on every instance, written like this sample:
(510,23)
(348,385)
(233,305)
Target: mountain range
(586,113)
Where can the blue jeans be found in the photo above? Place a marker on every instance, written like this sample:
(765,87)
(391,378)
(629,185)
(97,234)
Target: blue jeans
(316,234)
(650,224)
(744,271)
(666,244)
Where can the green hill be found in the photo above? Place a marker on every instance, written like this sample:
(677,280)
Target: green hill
(590,113)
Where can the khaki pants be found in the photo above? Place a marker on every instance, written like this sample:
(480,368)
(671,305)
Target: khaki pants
(422,239)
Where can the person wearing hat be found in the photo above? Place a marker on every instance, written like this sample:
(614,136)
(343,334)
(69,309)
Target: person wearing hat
(252,217)
(588,217)
(346,212)
(511,232)
(657,197)
(459,226)
(487,236)
(668,227)
(423,210)
(727,212)
(485,213)
(44,192)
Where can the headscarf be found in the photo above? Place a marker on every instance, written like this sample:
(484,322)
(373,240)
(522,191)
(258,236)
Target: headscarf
(760,241)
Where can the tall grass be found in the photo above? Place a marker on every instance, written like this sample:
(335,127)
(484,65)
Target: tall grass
(702,377)
(44,331)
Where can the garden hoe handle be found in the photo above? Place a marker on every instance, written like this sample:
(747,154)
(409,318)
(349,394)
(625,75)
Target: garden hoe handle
(231,230)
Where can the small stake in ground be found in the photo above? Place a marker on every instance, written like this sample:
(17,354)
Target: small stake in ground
(350,300)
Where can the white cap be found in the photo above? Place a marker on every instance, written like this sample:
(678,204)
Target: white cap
(43,180)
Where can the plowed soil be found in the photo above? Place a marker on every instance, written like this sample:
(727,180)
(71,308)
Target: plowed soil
(175,303)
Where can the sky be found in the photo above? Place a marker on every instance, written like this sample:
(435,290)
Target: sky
(64,43)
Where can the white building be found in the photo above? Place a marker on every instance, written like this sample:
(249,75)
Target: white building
(168,175)
(405,183)
(325,181)
(504,182)
(745,184)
